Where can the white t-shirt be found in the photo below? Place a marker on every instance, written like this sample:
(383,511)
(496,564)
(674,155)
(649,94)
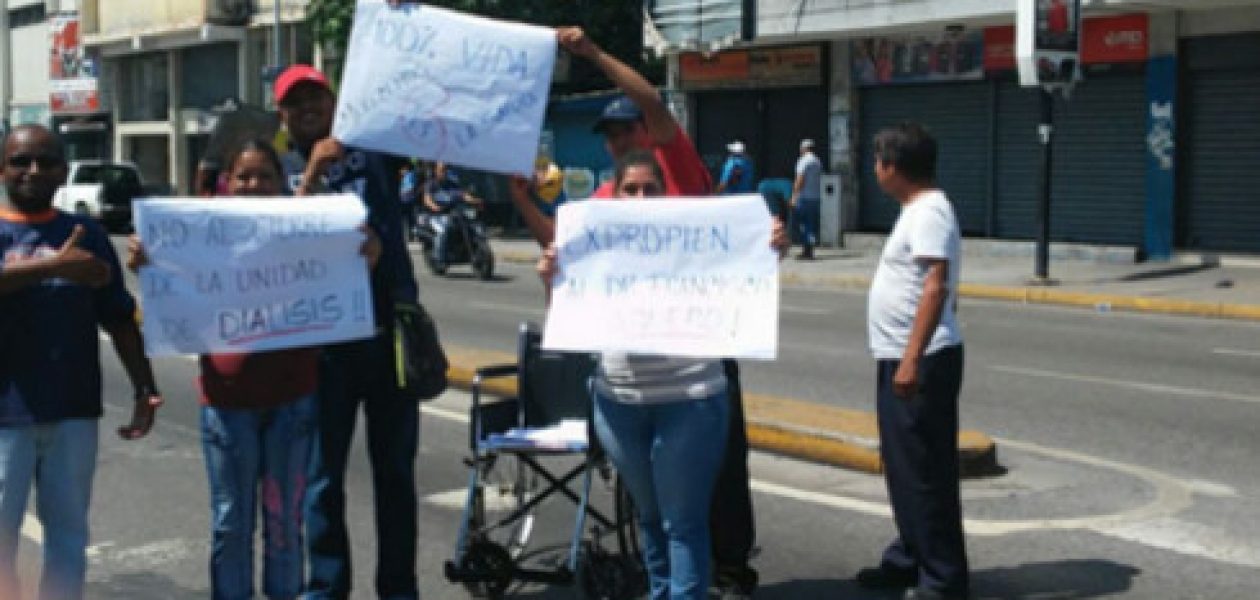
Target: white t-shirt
(810,167)
(926,229)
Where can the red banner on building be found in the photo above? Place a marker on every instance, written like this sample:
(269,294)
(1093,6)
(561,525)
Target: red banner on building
(1125,38)
(72,76)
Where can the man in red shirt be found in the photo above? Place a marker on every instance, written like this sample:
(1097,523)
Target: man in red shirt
(637,120)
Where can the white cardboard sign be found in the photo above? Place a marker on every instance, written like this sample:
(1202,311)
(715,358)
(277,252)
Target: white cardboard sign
(678,277)
(252,274)
(436,84)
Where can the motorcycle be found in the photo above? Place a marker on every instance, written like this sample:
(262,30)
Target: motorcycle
(466,241)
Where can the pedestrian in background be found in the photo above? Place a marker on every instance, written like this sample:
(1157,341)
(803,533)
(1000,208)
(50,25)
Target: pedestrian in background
(807,199)
(409,195)
(737,172)
(917,344)
(60,280)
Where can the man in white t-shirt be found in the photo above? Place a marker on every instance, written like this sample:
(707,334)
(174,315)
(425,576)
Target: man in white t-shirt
(916,342)
(806,199)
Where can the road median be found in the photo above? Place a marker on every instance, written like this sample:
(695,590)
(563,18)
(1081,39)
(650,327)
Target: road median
(798,429)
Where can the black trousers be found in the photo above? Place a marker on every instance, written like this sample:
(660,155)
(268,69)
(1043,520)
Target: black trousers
(731,524)
(919,446)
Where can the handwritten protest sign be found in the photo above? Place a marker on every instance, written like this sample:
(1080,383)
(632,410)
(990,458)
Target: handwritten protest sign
(680,277)
(442,85)
(240,275)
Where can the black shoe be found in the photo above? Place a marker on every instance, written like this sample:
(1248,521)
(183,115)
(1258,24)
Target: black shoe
(880,578)
(807,253)
(735,582)
(927,594)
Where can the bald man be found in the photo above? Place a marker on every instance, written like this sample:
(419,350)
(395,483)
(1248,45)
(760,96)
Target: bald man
(59,282)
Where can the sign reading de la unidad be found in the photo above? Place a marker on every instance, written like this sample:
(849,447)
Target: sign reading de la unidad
(1048,42)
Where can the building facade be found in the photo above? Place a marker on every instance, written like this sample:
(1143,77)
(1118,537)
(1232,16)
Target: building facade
(1157,149)
(165,64)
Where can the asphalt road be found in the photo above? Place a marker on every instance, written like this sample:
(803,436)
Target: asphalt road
(1129,443)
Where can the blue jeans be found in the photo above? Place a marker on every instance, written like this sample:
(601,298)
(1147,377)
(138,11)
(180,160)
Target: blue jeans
(353,375)
(806,218)
(59,458)
(252,453)
(669,456)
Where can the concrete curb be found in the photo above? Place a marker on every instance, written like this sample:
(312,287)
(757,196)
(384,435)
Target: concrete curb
(1026,295)
(794,428)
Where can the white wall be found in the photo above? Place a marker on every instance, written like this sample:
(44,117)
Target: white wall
(31,45)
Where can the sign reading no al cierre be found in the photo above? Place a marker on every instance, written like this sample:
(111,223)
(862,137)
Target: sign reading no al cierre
(244,275)
(436,84)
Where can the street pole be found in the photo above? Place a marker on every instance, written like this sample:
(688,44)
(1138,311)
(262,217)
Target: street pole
(6,67)
(279,54)
(1045,131)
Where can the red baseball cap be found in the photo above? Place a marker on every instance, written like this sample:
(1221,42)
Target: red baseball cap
(297,74)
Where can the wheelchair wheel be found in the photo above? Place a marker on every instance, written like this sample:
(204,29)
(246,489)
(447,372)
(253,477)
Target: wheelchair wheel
(603,576)
(627,524)
(507,485)
(493,561)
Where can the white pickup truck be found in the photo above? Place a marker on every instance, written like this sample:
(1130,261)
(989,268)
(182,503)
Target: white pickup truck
(101,190)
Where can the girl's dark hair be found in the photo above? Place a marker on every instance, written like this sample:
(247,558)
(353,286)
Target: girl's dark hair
(255,145)
(637,158)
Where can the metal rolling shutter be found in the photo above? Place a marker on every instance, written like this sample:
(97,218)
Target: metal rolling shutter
(1222,161)
(1100,162)
(1099,192)
(958,115)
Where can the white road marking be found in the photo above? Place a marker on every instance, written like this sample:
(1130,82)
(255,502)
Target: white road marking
(804,310)
(1236,352)
(1133,385)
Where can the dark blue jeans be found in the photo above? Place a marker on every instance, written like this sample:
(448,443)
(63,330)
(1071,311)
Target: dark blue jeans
(919,445)
(805,219)
(354,375)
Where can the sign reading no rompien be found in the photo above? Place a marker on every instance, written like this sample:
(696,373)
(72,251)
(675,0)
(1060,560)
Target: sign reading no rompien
(442,85)
(252,274)
(678,277)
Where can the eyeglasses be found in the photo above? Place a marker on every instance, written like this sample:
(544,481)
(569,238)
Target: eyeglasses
(44,161)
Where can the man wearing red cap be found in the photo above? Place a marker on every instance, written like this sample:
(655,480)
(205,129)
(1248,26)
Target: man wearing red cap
(358,372)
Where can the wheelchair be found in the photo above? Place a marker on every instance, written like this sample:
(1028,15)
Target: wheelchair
(491,549)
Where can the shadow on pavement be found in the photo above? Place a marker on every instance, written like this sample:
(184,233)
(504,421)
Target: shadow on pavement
(1167,272)
(821,588)
(1055,580)
(142,586)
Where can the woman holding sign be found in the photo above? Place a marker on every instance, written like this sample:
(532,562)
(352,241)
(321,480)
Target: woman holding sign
(663,422)
(258,419)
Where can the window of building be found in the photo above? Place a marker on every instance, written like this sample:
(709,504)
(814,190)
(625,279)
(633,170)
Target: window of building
(27,15)
(143,93)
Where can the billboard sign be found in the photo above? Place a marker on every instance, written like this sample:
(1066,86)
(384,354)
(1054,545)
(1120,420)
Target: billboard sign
(1048,42)
(72,75)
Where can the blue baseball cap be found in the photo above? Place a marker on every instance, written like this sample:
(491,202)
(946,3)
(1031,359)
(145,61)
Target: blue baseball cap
(621,110)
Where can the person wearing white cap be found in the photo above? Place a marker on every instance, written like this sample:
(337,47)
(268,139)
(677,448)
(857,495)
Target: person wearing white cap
(737,173)
(807,199)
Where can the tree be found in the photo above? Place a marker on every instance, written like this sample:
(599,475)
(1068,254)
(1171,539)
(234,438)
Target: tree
(616,25)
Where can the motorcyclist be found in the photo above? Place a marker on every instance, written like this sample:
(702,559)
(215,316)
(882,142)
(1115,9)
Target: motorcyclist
(443,193)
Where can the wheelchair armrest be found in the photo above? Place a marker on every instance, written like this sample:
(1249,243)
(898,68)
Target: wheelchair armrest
(494,371)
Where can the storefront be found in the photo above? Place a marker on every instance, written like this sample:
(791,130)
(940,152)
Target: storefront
(963,87)
(1220,155)
(768,98)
